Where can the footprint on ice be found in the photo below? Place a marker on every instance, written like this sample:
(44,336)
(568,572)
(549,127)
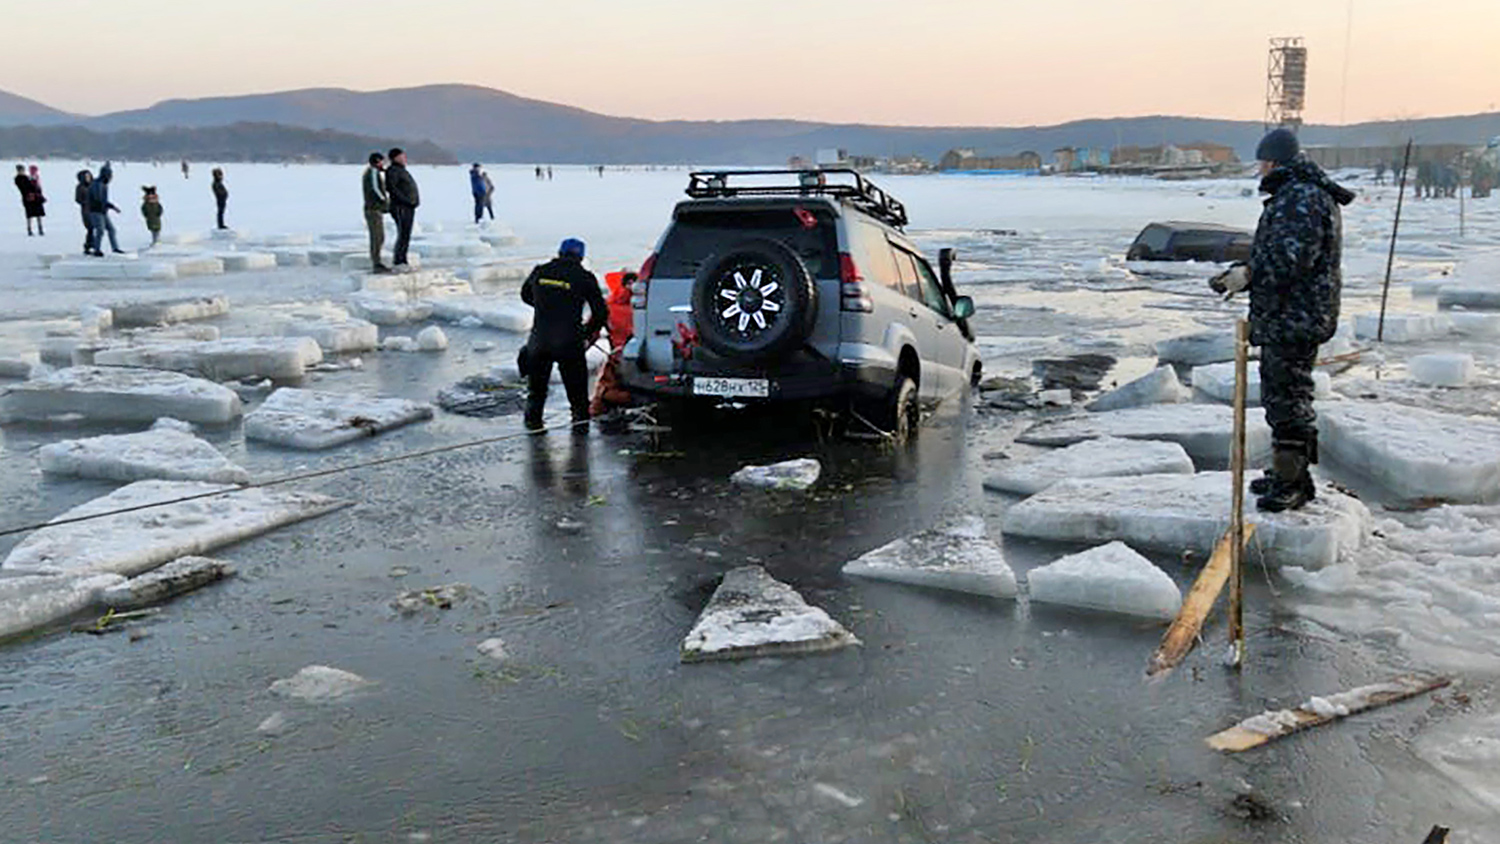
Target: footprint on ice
(320,684)
(1109,578)
(752,614)
(956,555)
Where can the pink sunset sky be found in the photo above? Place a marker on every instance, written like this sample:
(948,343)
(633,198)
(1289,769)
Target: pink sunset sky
(921,62)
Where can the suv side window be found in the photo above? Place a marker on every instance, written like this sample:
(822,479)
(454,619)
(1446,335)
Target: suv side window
(932,289)
(908,272)
(874,257)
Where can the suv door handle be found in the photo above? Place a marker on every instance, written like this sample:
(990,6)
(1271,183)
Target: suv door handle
(913,313)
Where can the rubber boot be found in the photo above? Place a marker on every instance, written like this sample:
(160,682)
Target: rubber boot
(1265,483)
(581,421)
(1293,486)
(534,416)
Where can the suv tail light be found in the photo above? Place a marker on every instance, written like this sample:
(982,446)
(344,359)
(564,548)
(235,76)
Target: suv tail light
(852,295)
(643,283)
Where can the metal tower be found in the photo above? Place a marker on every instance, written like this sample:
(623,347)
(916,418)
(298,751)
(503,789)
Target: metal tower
(1286,83)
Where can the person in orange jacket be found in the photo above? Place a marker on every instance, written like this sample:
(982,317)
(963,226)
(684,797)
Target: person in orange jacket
(608,393)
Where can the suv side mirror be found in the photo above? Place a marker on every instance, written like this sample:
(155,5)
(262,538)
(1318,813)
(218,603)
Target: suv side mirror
(963,307)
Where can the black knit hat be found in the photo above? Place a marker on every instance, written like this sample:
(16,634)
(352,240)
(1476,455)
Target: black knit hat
(395,151)
(1279,146)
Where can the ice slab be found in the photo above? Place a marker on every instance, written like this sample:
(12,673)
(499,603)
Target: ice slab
(1468,323)
(1400,328)
(277,358)
(1442,369)
(796,475)
(956,555)
(198,265)
(504,314)
(239,262)
(432,339)
(143,314)
(171,580)
(388,307)
(335,336)
(753,614)
(1205,431)
(1173,513)
(398,343)
(33,602)
(140,540)
(415,283)
(1471,296)
(320,684)
(16,367)
(1109,578)
(332,255)
(292,258)
(1198,349)
(102,270)
(1414,452)
(120,395)
(1159,386)
(309,419)
(163,452)
(462,249)
(1216,381)
(287,239)
(1106,457)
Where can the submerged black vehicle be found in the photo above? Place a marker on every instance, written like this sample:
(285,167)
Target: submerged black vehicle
(1178,241)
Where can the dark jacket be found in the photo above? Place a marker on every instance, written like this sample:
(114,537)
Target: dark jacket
(1295,262)
(151,209)
(374,189)
(558,290)
(99,192)
(221,191)
(81,192)
(476,184)
(31,195)
(401,187)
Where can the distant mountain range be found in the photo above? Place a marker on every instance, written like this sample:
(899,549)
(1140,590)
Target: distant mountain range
(494,126)
(268,142)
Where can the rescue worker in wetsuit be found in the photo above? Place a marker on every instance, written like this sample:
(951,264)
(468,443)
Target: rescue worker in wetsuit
(1295,280)
(558,290)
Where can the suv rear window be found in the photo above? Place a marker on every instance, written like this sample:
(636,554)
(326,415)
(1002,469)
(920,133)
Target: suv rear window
(696,236)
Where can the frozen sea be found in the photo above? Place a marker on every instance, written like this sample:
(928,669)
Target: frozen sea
(958,720)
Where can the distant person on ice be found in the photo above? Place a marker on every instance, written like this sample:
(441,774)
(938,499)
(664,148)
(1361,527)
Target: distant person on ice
(404,198)
(476,187)
(151,210)
(1295,280)
(185,168)
(99,208)
(489,194)
(377,203)
(221,195)
(32,200)
(81,199)
(558,291)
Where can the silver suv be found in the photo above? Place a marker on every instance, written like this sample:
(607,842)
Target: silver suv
(798,285)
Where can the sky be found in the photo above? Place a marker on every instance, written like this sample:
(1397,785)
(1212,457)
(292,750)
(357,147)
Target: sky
(916,62)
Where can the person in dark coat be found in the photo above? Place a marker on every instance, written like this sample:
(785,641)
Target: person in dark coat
(81,199)
(99,207)
(404,198)
(32,200)
(1295,280)
(477,188)
(377,203)
(221,195)
(558,290)
(151,211)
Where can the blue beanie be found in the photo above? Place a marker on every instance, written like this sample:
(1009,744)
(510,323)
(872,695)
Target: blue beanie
(1279,146)
(572,246)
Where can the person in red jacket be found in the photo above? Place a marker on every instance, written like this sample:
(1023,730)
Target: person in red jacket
(608,393)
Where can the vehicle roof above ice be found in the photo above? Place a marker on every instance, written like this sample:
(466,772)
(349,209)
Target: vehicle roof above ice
(833,185)
(1184,225)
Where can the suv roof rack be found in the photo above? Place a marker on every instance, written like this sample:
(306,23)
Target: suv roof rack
(855,190)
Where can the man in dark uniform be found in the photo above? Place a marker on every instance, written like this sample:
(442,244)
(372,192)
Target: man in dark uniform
(1295,280)
(401,191)
(558,290)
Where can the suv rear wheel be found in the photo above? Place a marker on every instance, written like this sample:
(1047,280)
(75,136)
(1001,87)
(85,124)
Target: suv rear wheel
(756,301)
(903,414)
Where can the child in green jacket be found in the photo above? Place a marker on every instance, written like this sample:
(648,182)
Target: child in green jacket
(151,210)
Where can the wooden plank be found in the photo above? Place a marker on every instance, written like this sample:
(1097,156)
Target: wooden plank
(1237,499)
(1195,608)
(1278,723)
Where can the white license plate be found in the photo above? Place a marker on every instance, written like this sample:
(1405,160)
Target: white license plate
(754,388)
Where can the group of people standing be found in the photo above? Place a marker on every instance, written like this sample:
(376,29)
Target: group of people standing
(91,195)
(33,201)
(389,188)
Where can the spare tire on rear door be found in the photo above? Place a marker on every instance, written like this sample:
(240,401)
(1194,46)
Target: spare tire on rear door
(755,301)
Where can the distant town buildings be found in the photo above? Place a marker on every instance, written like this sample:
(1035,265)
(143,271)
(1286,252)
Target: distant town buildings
(967,159)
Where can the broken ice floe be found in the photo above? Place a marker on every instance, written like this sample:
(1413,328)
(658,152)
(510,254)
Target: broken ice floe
(1471,324)
(119,395)
(309,419)
(388,307)
(1101,458)
(176,578)
(1205,431)
(506,315)
(1108,578)
(1414,452)
(1173,513)
(16,367)
(239,262)
(142,539)
(320,684)
(277,358)
(114,269)
(494,648)
(141,314)
(1216,381)
(795,475)
(1442,369)
(752,614)
(164,452)
(334,336)
(1400,328)
(1198,349)
(1475,297)
(1159,386)
(432,339)
(31,602)
(956,555)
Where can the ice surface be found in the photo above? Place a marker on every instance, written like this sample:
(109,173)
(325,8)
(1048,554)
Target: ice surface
(1400,328)
(1109,578)
(432,339)
(795,475)
(1414,452)
(289,258)
(1205,431)
(956,555)
(752,614)
(320,684)
(335,336)
(142,314)
(140,540)
(32,602)
(1173,513)
(309,419)
(120,395)
(1102,458)
(1216,381)
(388,307)
(1467,752)
(239,262)
(1473,296)
(1442,369)
(277,358)
(163,452)
(107,269)
(175,578)
(1159,386)
(398,343)
(1197,349)
(504,314)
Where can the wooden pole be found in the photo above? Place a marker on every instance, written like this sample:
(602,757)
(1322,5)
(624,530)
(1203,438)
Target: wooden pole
(1390,258)
(1183,633)
(1237,498)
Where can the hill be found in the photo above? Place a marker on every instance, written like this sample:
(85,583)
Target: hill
(16,109)
(236,142)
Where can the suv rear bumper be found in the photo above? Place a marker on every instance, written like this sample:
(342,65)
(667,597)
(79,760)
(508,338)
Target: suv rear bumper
(792,379)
